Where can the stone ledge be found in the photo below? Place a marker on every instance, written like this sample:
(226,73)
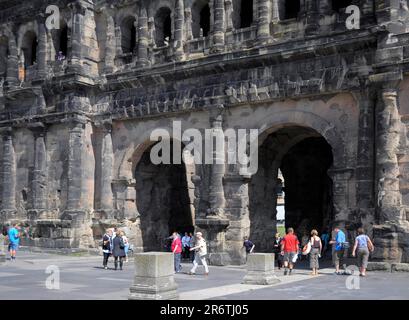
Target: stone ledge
(388,267)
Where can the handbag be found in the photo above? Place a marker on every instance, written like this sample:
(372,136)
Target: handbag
(295,258)
(371,247)
(306,249)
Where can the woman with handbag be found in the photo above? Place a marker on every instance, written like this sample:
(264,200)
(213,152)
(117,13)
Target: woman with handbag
(362,247)
(315,253)
(118,250)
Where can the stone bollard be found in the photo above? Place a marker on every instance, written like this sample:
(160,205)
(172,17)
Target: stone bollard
(2,249)
(154,277)
(260,269)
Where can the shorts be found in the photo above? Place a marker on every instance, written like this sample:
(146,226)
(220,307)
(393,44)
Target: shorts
(363,257)
(13,246)
(289,256)
(338,257)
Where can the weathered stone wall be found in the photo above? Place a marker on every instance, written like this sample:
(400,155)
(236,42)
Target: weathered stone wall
(74,131)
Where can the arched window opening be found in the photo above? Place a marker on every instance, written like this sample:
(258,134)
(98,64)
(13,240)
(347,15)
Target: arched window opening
(29,48)
(337,5)
(201,18)
(292,9)
(61,43)
(246,13)
(128,32)
(163,26)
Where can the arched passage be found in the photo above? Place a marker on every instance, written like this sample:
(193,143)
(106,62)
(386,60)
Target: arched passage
(164,200)
(29,48)
(163,26)
(201,18)
(304,157)
(128,35)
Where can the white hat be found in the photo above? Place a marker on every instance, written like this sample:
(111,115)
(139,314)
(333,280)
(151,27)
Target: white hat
(198,233)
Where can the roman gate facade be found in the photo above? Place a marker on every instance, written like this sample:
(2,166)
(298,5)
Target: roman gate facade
(78,105)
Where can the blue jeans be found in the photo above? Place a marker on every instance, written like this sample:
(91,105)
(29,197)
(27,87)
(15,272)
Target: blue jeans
(177,257)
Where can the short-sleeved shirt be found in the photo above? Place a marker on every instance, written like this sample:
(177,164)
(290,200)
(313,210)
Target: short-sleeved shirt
(362,241)
(177,242)
(290,243)
(248,245)
(186,241)
(339,239)
(13,236)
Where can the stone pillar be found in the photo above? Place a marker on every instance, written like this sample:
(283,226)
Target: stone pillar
(2,249)
(341,191)
(260,269)
(179,30)
(311,15)
(188,24)
(263,25)
(389,198)
(12,63)
(8,176)
(275,11)
(216,192)
(77,29)
(42,49)
(39,182)
(229,15)
(125,198)
(143,39)
(104,203)
(219,28)
(154,277)
(365,157)
(110,44)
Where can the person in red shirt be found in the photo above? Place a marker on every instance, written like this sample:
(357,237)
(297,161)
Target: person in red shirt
(289,249)
(177,251)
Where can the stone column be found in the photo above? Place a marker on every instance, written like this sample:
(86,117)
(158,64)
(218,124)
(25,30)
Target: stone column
(110,44)
(219,29)
(188,24)
(42,49)
(179,30)
(104,170)
(341,191)
(263,25)
(39,182)
(8,176)
(12,63)
(229,13)
(311,15)
(216,192)
(389,198)
(275,11)
(143,39)
(75,144)
(78,14)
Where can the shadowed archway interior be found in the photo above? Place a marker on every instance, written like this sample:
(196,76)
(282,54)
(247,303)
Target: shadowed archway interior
(304,158)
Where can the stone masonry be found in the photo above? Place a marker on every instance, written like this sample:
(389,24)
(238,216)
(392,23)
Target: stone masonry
(78,105)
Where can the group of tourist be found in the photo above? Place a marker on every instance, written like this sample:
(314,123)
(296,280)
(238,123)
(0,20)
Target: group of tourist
(288,249)
(193,248)
(116,244)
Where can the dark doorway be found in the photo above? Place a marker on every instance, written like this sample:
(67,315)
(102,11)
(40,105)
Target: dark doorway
(163,201)
(292,9)
(337,5)
(246,13)
(205,20)
(163,26)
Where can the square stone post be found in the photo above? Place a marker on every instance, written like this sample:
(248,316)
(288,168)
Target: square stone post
(260,269)
(8,176)
(154,277)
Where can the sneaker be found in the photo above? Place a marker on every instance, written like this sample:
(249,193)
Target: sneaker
(106,268)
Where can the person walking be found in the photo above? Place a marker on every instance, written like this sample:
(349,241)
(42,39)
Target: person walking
(315,253)
(289,250)
(277,250)
(191,245)
(362,247)
(186,246)
(176,248)
(13,235)
(338,248)
(200,249)
(248,245)
(106,247)
(118,250)
(325,240)
(126,243)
